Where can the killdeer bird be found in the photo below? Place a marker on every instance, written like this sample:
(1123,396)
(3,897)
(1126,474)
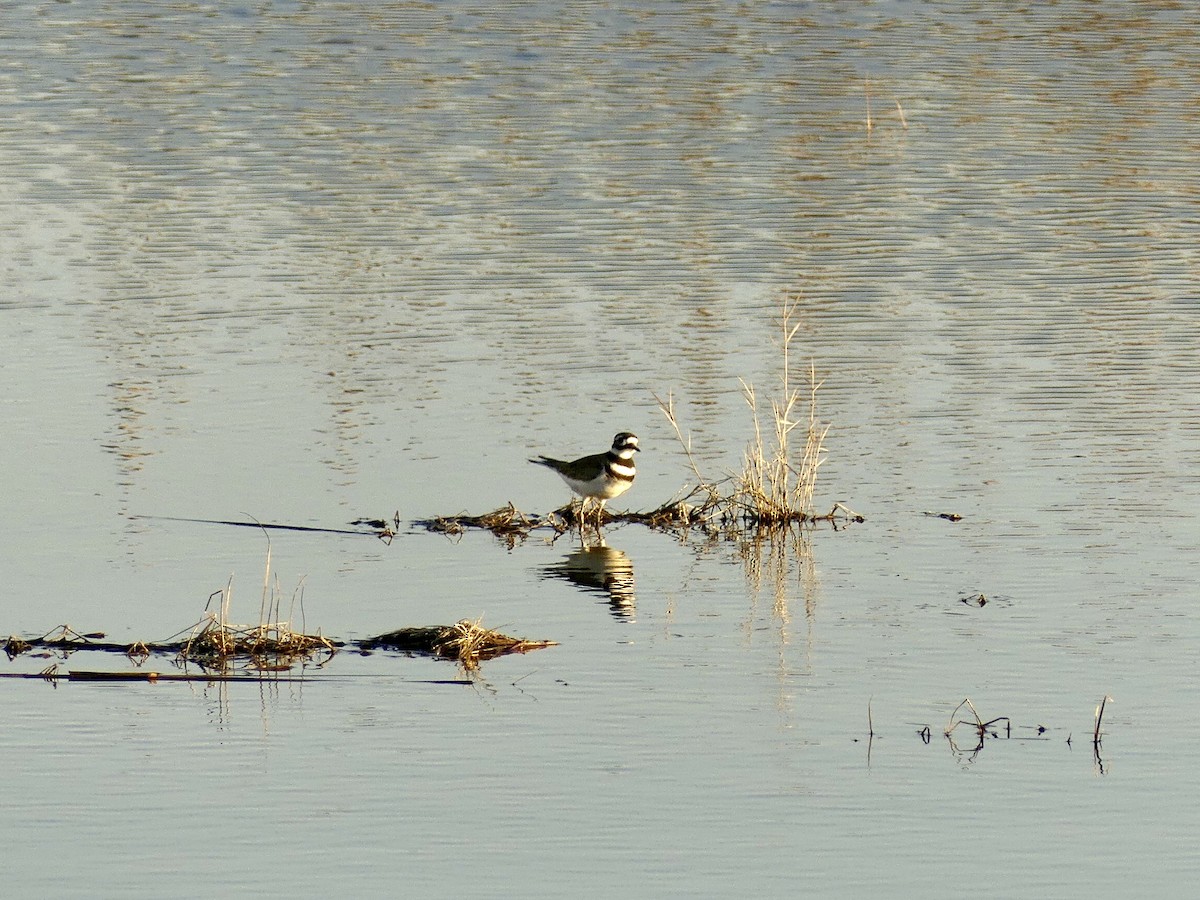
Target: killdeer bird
(600,477)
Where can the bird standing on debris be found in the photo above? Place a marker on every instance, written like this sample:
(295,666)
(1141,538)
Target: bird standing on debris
(599,477)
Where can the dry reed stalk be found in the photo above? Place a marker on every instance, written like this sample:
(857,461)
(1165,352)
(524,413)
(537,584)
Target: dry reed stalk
(271,644)
(1099,718)
(263,607)
(814,444)
(951,724)
(702,483)
(226,598)
(765,490)
(771,488)
(980,725)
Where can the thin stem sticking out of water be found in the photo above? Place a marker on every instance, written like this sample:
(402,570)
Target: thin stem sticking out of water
(774,487)
(1096,734)
(668,409)
(978,724)
(771,486)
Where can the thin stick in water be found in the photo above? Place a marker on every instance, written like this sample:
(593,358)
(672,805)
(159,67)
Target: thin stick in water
(1099,719)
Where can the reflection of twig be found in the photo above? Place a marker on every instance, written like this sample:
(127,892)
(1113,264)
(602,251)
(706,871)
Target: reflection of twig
(870,733)
(969,754)
(1097,740)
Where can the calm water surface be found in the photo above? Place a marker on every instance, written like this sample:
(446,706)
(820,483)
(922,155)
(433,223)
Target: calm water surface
(310,263)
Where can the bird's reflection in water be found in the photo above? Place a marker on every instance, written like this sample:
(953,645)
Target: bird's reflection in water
(602,569)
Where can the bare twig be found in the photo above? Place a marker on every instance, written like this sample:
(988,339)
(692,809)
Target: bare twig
(668,410)
(1096,739)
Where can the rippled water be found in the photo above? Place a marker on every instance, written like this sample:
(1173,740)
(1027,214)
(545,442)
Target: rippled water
(310,262)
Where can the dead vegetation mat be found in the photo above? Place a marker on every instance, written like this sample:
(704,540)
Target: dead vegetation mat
(707,515)
(224,649)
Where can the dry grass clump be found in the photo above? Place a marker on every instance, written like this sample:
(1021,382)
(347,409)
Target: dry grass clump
(268,646)
(779,473)
(466,642)
(271,645)
(772,485)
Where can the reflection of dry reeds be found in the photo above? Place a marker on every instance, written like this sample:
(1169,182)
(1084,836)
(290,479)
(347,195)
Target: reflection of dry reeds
(871,118)
(775,559)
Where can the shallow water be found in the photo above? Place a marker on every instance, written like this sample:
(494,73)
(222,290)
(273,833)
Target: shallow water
(308,264)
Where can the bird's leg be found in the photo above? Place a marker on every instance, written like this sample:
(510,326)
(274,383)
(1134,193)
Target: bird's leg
(579,518)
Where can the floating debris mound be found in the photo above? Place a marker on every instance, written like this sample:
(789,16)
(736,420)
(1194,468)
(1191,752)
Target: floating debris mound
(269,647)
(221,650)
(713,515)
(466,642)
(507,520)
(211,645)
